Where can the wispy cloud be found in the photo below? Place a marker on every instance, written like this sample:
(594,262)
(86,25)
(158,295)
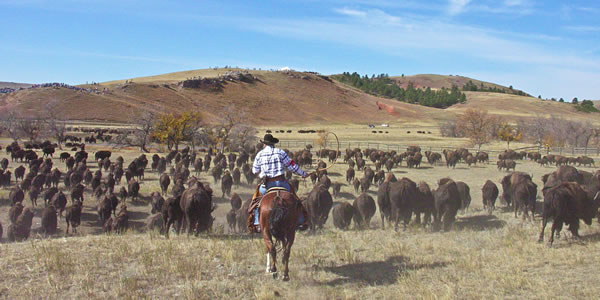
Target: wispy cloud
(456,7)
(350,12)
(583,28)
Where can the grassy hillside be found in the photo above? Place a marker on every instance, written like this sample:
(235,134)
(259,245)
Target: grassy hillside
(277,97)
(435,81)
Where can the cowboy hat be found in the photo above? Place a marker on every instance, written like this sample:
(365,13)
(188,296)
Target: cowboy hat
(269,139)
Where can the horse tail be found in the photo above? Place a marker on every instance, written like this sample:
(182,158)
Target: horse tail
(277,220)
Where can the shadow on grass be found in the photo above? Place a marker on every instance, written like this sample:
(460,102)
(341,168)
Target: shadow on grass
(378,272)
(479,223)
(345,195)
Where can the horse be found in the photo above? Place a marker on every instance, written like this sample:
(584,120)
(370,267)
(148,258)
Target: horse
(278,218)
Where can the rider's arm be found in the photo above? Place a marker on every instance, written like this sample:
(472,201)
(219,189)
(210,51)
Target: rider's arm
(291,165)
(256,165)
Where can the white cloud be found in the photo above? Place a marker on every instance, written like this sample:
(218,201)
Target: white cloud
(456,7)
(516,2)
(583,28)
(410,38)
(351,12)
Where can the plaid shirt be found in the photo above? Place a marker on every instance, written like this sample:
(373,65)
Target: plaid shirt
(271,161)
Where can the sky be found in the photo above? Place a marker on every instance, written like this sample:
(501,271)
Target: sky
(549,48)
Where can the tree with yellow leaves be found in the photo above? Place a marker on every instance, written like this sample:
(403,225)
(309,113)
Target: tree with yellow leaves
(172,129)
(509,133)
(476,124)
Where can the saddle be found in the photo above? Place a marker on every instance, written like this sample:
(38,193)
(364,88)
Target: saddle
(257,197)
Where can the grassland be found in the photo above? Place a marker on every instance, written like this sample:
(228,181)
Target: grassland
(277,98)
(493,256)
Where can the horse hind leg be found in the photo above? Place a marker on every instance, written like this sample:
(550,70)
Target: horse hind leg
(286,258)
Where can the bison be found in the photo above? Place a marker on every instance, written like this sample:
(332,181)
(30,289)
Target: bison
(196,205)
(447,204)
(20,229)
(318,204)
(567,203)
(364,208)
(49,220)
(489,193)
(342,215)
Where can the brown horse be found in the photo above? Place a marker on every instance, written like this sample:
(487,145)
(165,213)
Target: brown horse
(279,212)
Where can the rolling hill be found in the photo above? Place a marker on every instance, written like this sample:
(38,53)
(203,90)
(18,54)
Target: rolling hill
(14,85)
(274,97)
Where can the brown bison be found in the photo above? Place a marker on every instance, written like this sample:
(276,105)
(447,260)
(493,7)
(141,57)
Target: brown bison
(336,189)
(447,204)
(567,203)
(365,184)
(73,216)
(506,164)
(59,200)
(342,215)
(489,193)
(20,230)
(15,211)
(133,189)
(226,184)
(172,214)
(157,202)
(465,195)
(424,204)
(49,220)
(402,194)
(197,207)
(356,184)
(236,201)
(16,195)
(364,208)
(318,204)
(510,181)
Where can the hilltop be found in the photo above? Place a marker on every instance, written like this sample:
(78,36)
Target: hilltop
(271,97)
(14,85)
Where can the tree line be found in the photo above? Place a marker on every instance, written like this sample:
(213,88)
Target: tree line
(232,132)
(382,85)
(546,131)
(472,87)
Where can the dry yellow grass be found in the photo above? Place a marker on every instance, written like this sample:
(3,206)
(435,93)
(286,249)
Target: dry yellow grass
(483,256)
(278,98)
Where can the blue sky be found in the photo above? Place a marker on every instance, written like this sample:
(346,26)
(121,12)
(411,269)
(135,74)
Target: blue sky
(550,48)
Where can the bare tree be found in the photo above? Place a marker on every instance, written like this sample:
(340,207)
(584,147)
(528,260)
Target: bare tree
(243,136)
(10,125)
(31,127)
(141,133)
(450,129)
(589,133)
(537,129)
(55,123)
(232,118)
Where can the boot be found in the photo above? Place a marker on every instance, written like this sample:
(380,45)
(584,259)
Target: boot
(305,224)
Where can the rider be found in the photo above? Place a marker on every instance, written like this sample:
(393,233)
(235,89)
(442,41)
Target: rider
(271,162)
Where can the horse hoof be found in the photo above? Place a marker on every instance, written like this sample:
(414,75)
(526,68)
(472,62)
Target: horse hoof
(286,278)
(275,275)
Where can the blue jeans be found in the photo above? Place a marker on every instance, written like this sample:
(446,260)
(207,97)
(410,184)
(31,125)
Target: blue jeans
(263,190)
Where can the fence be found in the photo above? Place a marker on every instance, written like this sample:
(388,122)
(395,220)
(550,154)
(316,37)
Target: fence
(301,144)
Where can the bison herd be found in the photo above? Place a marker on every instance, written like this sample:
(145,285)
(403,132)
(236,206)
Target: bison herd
(184,203)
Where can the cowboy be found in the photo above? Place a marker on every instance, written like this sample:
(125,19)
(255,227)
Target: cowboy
(270,164)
